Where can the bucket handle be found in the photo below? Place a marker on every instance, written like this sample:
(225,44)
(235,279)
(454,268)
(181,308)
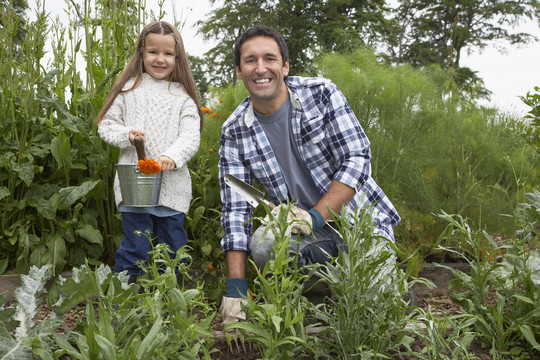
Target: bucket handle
(139,146)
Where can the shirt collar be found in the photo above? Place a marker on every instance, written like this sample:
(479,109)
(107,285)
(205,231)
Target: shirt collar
(250,113)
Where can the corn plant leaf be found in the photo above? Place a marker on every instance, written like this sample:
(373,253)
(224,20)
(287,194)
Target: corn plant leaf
(69,195)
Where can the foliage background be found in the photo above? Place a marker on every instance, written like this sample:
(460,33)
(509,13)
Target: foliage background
(433,146)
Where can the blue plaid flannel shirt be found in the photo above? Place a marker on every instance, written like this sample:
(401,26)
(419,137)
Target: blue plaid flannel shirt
(330,140)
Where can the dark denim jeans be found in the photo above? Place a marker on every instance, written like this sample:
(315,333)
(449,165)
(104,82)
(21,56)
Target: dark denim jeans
(134,248)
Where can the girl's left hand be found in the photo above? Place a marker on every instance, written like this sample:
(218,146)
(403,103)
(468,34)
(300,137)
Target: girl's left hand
(166,163)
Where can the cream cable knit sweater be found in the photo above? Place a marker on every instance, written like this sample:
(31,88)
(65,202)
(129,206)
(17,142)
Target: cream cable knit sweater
(170,120)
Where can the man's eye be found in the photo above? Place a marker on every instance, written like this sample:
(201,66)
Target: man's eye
(250,61)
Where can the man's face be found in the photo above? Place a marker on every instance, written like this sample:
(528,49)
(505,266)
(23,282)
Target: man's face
(263,72)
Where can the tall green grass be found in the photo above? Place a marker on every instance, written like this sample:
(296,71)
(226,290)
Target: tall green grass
(432,151)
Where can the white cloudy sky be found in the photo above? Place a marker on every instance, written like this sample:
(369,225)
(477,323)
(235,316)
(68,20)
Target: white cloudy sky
(508,75)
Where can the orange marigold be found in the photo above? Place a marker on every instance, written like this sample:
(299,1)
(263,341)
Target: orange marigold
(149,166)
(210,267)
(205,110)
(213,114)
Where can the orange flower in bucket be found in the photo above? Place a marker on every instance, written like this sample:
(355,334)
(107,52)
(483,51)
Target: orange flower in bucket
(149,166)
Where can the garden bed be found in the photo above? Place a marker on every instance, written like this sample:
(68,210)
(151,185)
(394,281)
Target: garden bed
(438,300)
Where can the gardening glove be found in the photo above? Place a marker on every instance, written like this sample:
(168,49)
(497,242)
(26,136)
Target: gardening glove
(231,303)
(231,311)
(302,221)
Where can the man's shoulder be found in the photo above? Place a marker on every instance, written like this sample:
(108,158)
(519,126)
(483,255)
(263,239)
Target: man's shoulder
(300,82)
(238,114)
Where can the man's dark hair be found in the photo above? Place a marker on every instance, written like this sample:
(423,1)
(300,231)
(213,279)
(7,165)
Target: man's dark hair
(260,30)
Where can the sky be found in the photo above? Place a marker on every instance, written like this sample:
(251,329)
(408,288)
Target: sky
(508,75)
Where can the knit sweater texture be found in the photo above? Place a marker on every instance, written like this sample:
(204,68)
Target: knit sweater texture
(169,117)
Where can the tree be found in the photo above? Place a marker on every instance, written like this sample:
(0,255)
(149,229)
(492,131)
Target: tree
(436,32)
(12,17)
(309,28)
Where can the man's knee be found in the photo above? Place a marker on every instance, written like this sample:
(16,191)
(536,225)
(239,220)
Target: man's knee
(261,246)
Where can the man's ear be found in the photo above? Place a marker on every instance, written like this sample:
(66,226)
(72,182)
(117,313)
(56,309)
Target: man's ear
(238,73)
(286,68)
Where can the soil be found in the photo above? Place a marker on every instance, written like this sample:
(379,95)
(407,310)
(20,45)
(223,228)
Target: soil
(440,302)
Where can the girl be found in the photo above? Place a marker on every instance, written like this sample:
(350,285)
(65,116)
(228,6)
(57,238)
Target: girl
(155,96)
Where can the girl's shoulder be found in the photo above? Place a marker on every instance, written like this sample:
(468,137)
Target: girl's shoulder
(129,84)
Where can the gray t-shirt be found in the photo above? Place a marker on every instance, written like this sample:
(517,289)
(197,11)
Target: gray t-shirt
(277,127)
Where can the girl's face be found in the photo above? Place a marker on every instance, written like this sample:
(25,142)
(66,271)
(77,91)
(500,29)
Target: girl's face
(159,55)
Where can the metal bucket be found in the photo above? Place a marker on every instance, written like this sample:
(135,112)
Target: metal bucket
(137,188)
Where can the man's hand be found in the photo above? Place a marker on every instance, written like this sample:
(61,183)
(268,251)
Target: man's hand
(231,310)
(299,219)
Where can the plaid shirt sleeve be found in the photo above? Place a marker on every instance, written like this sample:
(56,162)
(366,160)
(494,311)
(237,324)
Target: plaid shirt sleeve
(336,147)
(236,212)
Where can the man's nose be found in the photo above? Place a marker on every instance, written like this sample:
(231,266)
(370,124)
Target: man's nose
(261,66)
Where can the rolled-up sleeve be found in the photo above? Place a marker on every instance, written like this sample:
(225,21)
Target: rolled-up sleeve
(236,213)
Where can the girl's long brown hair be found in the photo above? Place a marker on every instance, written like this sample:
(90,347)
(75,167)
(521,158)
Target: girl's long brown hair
(135,68)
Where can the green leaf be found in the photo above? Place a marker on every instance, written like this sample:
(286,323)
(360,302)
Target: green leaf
(25,172)
(90,234)
(276,320)
(61,150)
(4,261)
(44,207)
(529,335)
(152,341)
(107,347)
(206,249)
(4,191)
(197,215)
(69,195)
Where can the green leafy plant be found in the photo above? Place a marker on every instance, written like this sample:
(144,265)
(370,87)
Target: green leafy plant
(366,314)
(277,312)
(503,296)
(20,337)
(124,323)
(445,337)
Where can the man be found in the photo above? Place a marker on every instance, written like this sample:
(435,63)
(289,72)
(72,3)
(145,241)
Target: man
(300,140)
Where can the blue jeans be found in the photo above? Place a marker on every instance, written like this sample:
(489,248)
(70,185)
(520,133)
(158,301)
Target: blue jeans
(168,230)
(316,248)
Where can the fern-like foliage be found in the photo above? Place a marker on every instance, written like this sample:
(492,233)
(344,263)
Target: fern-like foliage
(19,335)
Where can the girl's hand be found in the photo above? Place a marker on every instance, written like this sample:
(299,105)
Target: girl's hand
(133,133)
(166,163)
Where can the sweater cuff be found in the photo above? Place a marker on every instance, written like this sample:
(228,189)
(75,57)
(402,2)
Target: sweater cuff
(317,221)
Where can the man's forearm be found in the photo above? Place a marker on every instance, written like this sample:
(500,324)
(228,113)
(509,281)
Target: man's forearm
(338,195)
